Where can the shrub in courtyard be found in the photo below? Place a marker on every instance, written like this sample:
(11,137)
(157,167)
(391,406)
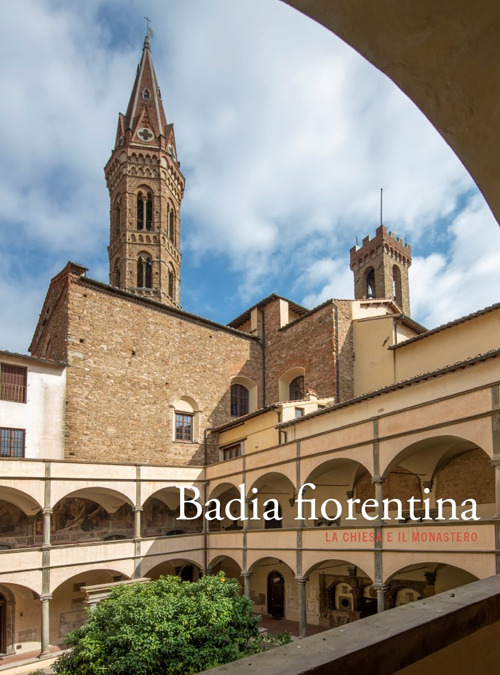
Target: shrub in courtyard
(166,626)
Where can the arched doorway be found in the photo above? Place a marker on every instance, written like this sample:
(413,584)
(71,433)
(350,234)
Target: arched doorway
(275,595)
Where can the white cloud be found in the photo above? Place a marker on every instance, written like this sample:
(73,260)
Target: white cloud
(444,289)
(284,133)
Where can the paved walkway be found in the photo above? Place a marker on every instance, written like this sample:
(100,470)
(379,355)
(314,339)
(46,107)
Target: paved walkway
(10,662)
(275,626)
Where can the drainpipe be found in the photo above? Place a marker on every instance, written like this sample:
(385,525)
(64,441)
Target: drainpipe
(278,412)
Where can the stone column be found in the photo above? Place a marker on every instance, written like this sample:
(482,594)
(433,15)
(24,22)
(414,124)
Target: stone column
(246,582)
(382,590)
(302,605)
(31,530)
(137,522)
(378,481)
(45,625)
(46,527)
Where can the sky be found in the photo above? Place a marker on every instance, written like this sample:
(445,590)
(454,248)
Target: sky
(285,136)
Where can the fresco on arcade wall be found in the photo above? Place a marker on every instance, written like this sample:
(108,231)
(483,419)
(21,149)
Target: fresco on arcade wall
(16,528)
(75,518)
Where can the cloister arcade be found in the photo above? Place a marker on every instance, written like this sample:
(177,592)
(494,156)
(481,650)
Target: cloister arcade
(66,526)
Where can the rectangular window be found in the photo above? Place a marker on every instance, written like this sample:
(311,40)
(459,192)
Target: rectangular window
(183,427)
(13,383)
(299,412)
(11,442)
(230,451)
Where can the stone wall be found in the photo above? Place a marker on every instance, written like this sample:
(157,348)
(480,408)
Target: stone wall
(130,361)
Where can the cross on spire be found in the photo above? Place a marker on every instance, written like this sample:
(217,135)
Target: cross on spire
(149,31)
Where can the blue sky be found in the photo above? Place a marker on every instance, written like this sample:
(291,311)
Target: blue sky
(285,137)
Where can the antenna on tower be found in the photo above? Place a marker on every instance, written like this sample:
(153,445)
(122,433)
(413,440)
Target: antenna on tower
(149,31)
(381,202)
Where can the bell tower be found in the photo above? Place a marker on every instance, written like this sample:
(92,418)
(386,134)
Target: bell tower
(380,269)
(146,189)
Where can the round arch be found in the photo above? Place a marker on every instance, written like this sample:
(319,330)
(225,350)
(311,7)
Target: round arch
(252,389)
(286,380)
(92,514)
(24,501)
(161,515)
(170,565)
(222,487)
(425,456)
(470,565)
(273,587)
(425,579)
(278,491)
(19,617)
(344,589)
(227,564)
(111,500)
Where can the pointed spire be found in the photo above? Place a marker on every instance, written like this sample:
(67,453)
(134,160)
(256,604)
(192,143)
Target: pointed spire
(145,116)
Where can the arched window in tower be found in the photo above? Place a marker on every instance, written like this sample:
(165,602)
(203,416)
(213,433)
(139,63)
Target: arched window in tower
(397,292)
(239,400)
(149,213)
(140,212)
(297,388)
(171,225)
(115,279)
(370,283)
(117,218)
(144,211)
(144,272)
(145,94)
(171,284)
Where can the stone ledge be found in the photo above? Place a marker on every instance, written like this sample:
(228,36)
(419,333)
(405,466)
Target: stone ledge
(384,643)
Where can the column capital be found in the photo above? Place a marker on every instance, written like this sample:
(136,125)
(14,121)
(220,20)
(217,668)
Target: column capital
(495,461)
(138,508)
(45,597)
(47,511)
(381,588)
(378,480)
(301,580)
(246,574)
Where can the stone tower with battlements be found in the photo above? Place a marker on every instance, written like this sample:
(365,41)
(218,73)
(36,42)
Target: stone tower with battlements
(146,187)
(380,267)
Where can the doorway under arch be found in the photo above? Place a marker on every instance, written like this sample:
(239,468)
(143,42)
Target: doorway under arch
(275,595)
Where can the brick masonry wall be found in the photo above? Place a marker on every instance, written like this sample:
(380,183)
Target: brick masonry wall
(345,349)
(308,343)
(50,338)
(129,363)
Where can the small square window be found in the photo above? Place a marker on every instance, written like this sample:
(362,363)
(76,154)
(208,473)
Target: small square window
(231,451)
(13,383)
(299,412)
(12,442)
